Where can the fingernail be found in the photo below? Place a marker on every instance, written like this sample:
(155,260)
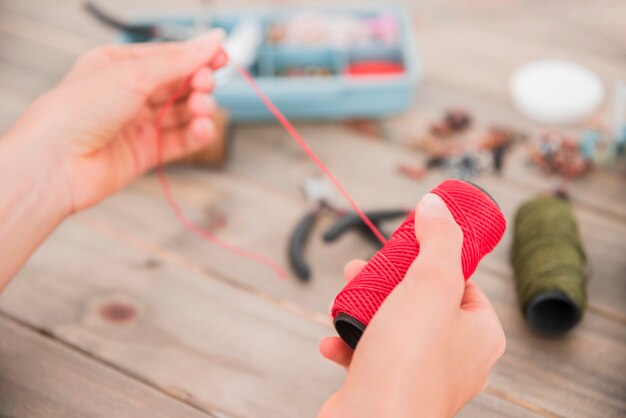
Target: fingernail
(219,60)
(431,205)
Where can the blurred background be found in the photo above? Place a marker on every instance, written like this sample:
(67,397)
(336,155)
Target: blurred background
(124,313)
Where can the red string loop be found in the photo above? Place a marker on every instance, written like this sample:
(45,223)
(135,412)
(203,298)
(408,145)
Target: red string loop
(205,234)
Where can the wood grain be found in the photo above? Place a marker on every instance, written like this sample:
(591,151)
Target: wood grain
(40,378)
(217,347)
(528,356)
(191,301)
(232,206)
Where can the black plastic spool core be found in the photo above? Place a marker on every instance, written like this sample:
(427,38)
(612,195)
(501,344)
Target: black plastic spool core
(552,313)
(349,328)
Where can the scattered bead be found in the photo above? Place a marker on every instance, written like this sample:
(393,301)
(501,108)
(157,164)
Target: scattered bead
(457,120)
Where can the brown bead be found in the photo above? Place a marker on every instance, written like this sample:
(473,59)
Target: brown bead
(457,119)
(440,130)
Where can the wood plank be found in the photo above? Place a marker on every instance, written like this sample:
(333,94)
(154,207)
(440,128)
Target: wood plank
(578,375)
(602,191)
(232,207)
(217,347)
(500,289)
(276,176)
(591,358)
(43,378)
(222,350)
(494,109)
(582,26)
(351,157)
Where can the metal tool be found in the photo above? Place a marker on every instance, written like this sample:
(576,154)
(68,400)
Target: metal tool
(321,198)
(142,32)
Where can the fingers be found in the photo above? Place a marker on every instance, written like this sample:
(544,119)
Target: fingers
(353,268)
(103,56)
(336,350)
(202,81)
(175,142)
(201,104)
(219,60)
(179,142)
(438,265)
(153,70)
(203,131)
(476,305)
(182,112)
(474,299)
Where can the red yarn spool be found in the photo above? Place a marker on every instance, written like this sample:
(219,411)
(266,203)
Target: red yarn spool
(482,223)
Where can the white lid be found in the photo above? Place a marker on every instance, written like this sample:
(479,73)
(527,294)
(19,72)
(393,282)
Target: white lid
(556,92)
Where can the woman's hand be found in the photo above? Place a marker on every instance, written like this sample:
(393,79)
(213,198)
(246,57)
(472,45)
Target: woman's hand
(99,123)
(429,348)
(95,132)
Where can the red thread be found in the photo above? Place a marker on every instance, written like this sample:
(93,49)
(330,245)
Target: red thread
(178,212)
(305,147)
(190,226)
(481,221)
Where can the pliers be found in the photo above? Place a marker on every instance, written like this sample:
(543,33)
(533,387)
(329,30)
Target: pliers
(320,197)
(141,32)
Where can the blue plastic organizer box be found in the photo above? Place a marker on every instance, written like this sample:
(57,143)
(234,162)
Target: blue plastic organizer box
(333,97)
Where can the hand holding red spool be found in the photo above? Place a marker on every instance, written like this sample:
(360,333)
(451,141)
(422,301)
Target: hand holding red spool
(482,223)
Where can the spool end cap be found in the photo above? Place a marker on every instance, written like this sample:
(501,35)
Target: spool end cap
(552,313)
(349,328)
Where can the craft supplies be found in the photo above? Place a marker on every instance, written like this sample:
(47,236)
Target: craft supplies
(618,120)
(142,31)
(173,204)
(306,79)
(321,199)
(456,148)
(457,120)
(416,173)
(319,196)
(561,154)
(482,224)
(351,221)
(374,69)
(306,71)
(589,142)
(453,121)
(466,165)
(498,140)
(333,29)
(556,92)
(549,265)
(205,234)
(241,45)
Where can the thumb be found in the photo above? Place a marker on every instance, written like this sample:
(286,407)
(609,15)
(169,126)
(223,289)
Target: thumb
(174,61)
(441,240)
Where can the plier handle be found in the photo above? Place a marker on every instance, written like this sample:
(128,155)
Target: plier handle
(353,221)
(297,243)
(346,222)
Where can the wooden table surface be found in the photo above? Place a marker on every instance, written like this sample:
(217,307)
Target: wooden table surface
(197,332)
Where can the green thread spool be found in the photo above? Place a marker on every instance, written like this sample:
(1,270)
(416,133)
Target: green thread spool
(549,264)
